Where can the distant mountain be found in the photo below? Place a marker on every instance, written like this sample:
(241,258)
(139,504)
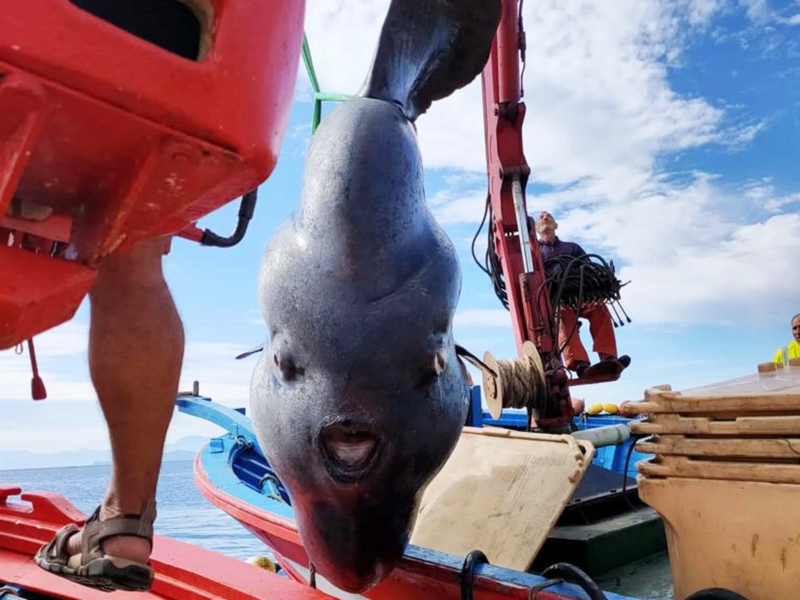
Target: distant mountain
(184,449)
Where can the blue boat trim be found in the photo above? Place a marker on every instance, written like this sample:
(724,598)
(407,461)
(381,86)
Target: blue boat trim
(219,470)
(613,458)
(223,471)
(233,420)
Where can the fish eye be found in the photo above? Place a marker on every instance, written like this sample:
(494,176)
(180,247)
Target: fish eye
(287,366)
(434,367)
(428,378)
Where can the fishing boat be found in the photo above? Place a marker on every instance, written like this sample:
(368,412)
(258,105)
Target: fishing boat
(701,446)
(232,472)
(28,520)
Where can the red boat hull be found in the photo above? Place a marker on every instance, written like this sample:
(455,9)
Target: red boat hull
(125,140)
(183,572)
(414,579)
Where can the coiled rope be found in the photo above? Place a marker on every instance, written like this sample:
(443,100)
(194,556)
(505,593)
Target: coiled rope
(518,383)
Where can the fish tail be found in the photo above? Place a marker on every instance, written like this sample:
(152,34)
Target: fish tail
(428,49)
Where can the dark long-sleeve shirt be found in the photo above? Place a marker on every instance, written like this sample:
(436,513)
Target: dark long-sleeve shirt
(559,248)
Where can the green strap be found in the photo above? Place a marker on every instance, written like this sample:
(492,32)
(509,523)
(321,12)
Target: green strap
(319,97)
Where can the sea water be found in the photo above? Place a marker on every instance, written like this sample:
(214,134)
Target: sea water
(183,513)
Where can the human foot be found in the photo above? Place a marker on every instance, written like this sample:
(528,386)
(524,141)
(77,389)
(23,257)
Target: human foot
(111,552)
(129,547)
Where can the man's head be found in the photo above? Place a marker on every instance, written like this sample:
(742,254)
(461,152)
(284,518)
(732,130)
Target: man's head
(796,327)
(546,227)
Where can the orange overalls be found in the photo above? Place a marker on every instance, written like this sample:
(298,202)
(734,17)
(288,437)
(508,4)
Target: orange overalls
(600,324)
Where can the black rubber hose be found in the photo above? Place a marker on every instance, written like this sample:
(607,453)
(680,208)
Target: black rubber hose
(715,594)
(246,210)
(572,574)
(476,557)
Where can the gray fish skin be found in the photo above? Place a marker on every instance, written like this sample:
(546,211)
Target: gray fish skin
(359,397)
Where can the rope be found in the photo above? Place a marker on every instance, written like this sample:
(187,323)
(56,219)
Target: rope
(312,575)
(319,97)
(523,380)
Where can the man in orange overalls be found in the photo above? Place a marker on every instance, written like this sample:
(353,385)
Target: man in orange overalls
(600,324)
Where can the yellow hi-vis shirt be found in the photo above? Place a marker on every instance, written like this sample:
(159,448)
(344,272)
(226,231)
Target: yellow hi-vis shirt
(793,351)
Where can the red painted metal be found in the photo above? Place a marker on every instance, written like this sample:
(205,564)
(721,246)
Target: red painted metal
(414,579)
(528,299)
(28,304)
(126,140)
(504,114)
(182,570)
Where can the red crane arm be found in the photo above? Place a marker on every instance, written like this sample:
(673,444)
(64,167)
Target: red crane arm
(508,171)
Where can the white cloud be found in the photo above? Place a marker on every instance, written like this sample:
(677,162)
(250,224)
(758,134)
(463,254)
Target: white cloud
(738,138)
(221,377)
(212,364)
(66,339)
(764,16)
(764,195)
(757,10)
(701,11)
(697,262)
(451,208)
(65,343)
(602,117)
(475,317)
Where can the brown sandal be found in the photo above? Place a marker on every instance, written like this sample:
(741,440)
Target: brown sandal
(93,567)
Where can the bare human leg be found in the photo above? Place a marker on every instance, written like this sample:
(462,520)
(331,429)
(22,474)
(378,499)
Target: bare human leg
(136,344)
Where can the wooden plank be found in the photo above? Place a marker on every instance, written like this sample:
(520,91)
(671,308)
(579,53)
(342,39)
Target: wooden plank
(782,448)
(776,392)
(683,466)
(702,425)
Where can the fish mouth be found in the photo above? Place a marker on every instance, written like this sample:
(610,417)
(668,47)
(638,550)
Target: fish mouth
(349,449)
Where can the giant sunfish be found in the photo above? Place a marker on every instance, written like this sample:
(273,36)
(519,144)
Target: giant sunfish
(359,396)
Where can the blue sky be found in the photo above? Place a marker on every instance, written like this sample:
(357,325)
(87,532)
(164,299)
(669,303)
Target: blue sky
(662,134)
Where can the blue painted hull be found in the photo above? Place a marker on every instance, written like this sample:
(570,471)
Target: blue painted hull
(233,474)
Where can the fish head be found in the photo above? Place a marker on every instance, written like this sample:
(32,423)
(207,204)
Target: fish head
(356,428)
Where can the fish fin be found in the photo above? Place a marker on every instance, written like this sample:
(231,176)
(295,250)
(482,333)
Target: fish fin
(250,352)
(428,49)
(465,354)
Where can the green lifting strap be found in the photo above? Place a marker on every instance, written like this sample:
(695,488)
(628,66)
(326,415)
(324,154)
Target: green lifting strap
(319,97)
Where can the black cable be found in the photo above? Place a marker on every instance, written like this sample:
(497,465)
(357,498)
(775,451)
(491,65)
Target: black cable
(635,438)
(477,233)
(523,46)
(557,302)
(576,282)
(246,210)
(574,575)
(715,594)
(495,267)
(534,591)
(474,558)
